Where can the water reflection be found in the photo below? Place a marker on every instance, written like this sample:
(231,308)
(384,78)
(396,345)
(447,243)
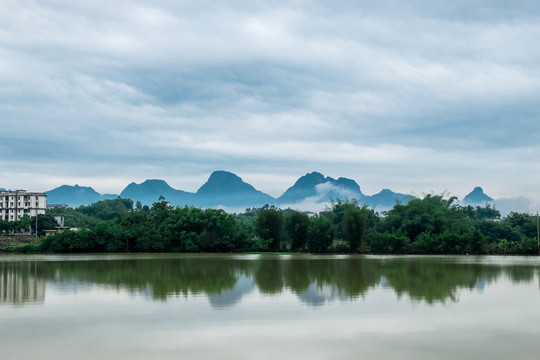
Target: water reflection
(21,283)
(225,280)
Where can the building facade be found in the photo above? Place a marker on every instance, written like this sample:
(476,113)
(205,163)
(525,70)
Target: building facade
(15,204)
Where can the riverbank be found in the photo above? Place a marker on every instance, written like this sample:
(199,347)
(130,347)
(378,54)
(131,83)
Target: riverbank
(7,242)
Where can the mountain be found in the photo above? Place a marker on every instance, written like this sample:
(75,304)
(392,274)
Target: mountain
(322,189)
(150,190)
(477,196)
(227,189)
(75,195)
(2,189)
(386,199)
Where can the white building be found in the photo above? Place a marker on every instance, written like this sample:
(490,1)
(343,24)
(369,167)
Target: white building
(15,204)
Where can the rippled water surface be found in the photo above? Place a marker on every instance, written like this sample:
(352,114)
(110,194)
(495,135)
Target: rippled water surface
(269,307)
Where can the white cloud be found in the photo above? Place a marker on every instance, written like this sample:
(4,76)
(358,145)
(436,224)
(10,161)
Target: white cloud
(517,204)
(416,96)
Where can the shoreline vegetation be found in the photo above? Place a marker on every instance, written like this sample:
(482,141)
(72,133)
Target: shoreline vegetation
(432,225)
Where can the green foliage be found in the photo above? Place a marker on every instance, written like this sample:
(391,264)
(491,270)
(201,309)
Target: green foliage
(500,247)
(258,244)
(354,226)
(24,249)
(107,209)
(4,226)
(393,243)
(74,218)
(524,223)
(108,236)
(268,225)
(320,234)
(495,231)
(432,225)
(71,241)
(45,222)
(339,247)
(487,212)
(297,224)
(25,222)
(21,225)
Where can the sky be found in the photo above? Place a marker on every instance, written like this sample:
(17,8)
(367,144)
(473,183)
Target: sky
(416,96)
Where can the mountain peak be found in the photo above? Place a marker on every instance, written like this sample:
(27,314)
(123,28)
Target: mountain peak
(150,190)
(155,182)
(149,184)
(386,199)
(224,187)
(224,181)
(73,195)
(477,196)
(308,186)
(310,179)
(222,175)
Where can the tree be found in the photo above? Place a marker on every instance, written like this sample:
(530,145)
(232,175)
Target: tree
(73,217)
(320,234)
(523,222)
(45,222)
(297,224)
(108,209)
(354,226)
(268,225)
(432,224)
(480,213)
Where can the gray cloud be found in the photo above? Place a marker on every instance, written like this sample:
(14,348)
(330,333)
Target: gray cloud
(416,96)
(517,204)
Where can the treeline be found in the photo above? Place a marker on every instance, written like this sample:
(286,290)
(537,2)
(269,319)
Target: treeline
(432,225)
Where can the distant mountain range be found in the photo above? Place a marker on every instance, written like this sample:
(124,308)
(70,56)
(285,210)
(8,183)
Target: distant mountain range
(225,189)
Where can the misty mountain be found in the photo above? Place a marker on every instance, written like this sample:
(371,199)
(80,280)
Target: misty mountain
(477,196)
(150,190)
(321,189)
(75,196)
(386,199)
(224,188)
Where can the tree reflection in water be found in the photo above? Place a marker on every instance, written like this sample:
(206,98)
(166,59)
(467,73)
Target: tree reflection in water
(226,279)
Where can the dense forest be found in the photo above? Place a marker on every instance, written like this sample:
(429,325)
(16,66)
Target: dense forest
(432,225)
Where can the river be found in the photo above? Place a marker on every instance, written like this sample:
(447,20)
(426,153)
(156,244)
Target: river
(178,306)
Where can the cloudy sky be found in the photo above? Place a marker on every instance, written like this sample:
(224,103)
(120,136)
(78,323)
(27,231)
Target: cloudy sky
(416,96)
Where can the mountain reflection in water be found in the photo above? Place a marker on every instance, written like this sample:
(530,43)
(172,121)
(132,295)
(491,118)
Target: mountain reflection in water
(225,279)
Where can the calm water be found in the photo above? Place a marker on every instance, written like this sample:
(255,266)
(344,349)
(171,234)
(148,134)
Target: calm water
(269,307)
